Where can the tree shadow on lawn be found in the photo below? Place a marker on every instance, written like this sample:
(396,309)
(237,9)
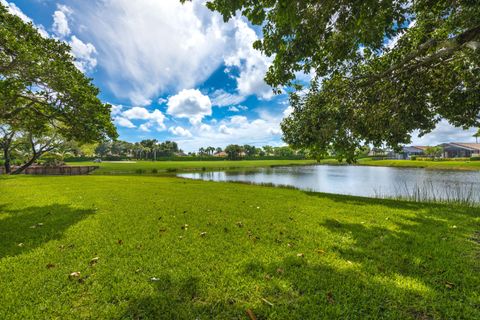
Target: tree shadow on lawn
(418,271)
(179,299)
(22,230)
(417,268)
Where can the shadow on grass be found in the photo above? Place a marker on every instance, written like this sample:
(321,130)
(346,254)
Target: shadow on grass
(26,229)
(420,268)
(179,299)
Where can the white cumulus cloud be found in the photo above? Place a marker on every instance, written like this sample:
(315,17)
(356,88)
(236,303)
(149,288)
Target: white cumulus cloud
(179,131)
(60,21)
(150,47)
(84,54)
(153,119)
(123,122)
(190,104)
(252,63)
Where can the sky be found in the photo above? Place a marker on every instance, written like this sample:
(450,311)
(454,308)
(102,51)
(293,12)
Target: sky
(176,72)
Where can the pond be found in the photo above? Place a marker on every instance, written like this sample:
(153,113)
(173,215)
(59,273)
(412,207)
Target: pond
(384,182)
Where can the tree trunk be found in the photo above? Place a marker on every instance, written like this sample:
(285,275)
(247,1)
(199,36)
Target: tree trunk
(6,156)
(28,164)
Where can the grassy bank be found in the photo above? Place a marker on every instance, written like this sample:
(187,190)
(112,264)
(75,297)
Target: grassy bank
(441,165)
(154,167)
(158,247)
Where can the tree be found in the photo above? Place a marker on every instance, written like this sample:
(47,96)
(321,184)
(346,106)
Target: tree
(44,98)
(434,152)
(233,151)
(249,150)
(380,69)
(210,150)
(268,150)
(477,135)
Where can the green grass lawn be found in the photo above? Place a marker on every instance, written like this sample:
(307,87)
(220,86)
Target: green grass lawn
(170,248)
(153,167)
(444,165)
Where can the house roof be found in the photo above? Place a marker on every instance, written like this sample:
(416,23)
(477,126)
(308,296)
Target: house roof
(422,147)
(469,146)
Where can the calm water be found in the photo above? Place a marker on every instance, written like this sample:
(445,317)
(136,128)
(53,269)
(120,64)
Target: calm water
(361,180)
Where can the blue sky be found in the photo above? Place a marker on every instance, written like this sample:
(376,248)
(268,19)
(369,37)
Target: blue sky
(175,71)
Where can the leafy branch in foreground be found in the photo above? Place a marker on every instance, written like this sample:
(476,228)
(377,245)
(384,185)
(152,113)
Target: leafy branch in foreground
(381,69)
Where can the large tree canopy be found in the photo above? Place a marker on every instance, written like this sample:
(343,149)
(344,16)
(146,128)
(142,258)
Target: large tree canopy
(42,93)
(381,68)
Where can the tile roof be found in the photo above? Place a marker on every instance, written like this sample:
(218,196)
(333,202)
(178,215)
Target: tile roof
(473,146)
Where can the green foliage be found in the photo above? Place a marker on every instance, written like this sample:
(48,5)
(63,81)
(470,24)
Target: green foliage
(44,98)
(234,152)
(434,152)
(307,254)
(381,69)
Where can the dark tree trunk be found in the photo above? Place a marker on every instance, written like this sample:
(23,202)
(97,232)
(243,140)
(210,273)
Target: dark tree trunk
(28,164)
(6,156)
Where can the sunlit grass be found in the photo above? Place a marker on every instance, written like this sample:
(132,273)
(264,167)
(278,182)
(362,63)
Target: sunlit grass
(175,248)
(444,165)
(162,167)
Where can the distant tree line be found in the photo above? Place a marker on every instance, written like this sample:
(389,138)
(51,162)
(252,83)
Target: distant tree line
(149,149)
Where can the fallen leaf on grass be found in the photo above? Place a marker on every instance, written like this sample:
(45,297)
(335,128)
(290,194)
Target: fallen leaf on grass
(37,225)
(184,227)
(240,224)
(251,315)
(74,275)
(330,298)
(50,266)
(300,255)
(154,279)
(280,271)
(120,241)
(203,234)
(20,245)
(320,251)
(449,285)
(267,302)
(93,261)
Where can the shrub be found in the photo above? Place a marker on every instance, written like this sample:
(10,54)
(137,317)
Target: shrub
(52,162)
(140,171)
(413,158)
(475,158)
(154,170)
(172,170)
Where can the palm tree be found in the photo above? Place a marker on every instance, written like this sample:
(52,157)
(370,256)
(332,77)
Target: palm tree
(477,135)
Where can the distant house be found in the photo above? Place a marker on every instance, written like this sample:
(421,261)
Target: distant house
(378,153)
(221,154)
(407,152)
(460,150)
